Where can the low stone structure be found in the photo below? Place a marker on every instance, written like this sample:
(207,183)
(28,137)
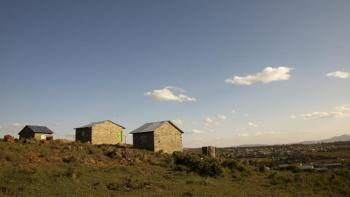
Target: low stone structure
(9,138)
(36,132)
(209,151)
(158,136)
(102,132)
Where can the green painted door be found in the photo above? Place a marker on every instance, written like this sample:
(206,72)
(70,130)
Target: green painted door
(120,137)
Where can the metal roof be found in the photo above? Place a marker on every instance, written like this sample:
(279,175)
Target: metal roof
(99,122)
(150,127)
(40,129)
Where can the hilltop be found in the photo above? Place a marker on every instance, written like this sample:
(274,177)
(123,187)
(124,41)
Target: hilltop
(340,138)
(72,169)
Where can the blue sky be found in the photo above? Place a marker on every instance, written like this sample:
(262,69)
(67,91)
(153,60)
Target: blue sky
(68,63)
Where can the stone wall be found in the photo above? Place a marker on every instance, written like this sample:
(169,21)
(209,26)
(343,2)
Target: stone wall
(167,138)
(106,133)
(209,151)
(41,136)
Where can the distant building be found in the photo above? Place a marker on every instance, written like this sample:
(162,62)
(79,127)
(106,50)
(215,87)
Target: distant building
(102,132)
(158,136)
(35,132)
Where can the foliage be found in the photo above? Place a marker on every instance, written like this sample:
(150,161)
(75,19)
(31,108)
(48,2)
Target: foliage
(202,165)
(75,169)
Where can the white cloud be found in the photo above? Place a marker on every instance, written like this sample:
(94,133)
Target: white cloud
(209,120)
(170,94)
(243,134)
(16,125)
(338,112)
(269,74)
(339,74)
(259,133)
(216,120)
(222,117)
(293,117)
(251,124)
(178,121)
(233,112)
(196,131)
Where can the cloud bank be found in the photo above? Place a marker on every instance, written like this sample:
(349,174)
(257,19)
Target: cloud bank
(338,112)
(170,94)
(269,74)
(339,74)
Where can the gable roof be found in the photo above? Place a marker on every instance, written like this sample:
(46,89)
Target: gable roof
(38,129)
(99,122)
(152,126)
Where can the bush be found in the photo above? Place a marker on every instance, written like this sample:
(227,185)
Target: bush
(128,184)
(234,165)
(113,153)
(70,159)
(73,173)
(279,179)
(202,165)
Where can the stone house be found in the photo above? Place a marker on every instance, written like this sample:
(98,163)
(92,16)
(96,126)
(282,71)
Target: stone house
(35,132)
(158,136)
(102,132)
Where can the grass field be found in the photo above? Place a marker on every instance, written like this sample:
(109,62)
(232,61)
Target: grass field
(56,169)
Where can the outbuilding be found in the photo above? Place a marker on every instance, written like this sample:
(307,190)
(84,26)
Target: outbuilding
(158,136)
(36,132)
(102,132)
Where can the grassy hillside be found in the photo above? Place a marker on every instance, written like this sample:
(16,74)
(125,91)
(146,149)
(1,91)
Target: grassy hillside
(56,169)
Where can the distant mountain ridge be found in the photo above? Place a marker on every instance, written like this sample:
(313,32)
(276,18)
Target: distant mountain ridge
(340,138)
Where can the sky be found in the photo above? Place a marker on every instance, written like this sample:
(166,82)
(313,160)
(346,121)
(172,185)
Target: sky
(226,72)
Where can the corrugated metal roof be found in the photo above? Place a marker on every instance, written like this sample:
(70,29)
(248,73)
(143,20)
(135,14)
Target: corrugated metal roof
(150,127)
(99,122)
(40,129)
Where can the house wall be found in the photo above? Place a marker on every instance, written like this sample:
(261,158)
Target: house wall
(143,140)
(167,138)
(106,133)
(83,135)
(37,136)
(26,133)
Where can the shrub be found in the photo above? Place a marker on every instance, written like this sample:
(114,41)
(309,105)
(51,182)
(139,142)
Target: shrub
(113,154)
(128,184)
(6,191)
(234,165)
(343,173)
(279,179)
(113,186)
(12,157)
(73,173)
(70,159)
(202,165)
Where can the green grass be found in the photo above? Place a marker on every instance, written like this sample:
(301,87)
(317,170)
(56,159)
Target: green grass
(88,170)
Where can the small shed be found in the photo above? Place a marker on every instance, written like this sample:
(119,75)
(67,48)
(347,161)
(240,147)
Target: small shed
(158,136)
(35,132)
(102,132)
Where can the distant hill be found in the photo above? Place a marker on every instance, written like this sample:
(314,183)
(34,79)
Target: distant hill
(252,145)
(341,138)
